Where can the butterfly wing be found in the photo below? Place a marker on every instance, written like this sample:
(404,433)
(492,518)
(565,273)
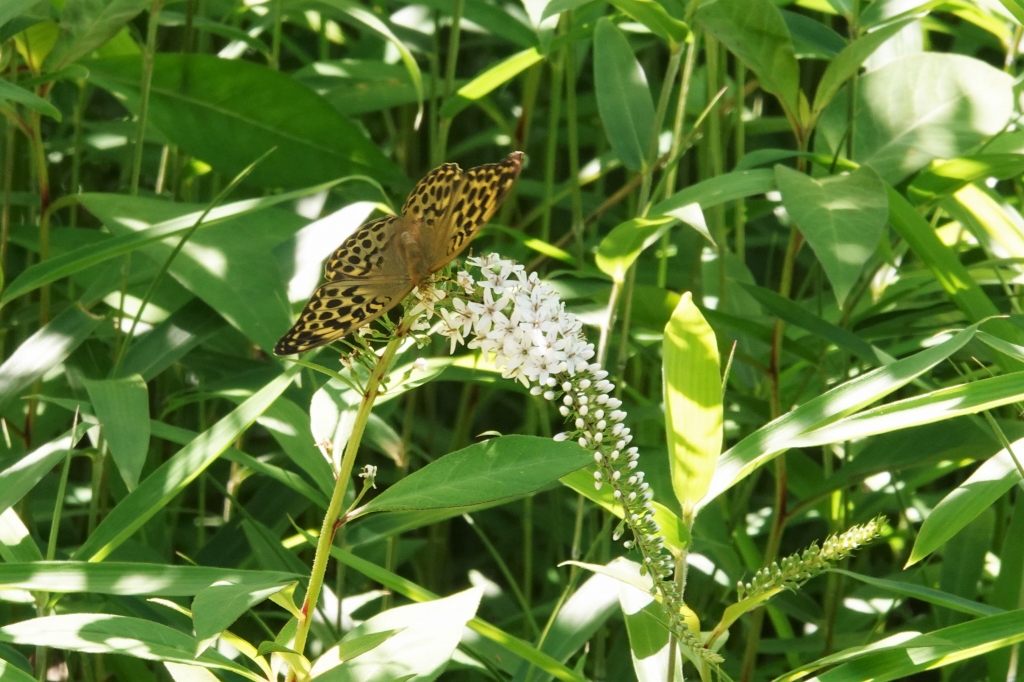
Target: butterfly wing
(474,201)
(366,277)
(428,202)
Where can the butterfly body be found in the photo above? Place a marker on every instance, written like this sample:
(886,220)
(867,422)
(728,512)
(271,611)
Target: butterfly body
(388,257)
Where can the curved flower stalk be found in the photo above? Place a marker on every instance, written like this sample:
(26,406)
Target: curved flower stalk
(520,321)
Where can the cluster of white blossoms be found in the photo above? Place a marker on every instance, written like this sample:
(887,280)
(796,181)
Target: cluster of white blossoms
(520,321)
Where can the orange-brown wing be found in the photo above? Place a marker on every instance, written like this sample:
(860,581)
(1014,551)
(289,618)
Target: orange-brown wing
(366,277)
(339,308)
(475,201)
(429,200)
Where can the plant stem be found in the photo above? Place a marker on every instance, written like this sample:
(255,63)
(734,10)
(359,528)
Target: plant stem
(330,524)
(572,129)
(43,178)
(275,45)
(76,158)
(147,82)
(551,158)
(451,60)
(739,150)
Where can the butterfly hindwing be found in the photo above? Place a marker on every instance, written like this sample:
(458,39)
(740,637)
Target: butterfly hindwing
(364,253)
(338,308)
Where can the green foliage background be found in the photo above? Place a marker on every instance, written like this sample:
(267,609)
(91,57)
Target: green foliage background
(836,183)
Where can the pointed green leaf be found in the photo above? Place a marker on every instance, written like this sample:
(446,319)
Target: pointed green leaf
(11,92)
(215,608)
(88,24)
(842,217)
(623,97)
(756,33)
(693,402)
(122,407)
(164,484)
(502,468)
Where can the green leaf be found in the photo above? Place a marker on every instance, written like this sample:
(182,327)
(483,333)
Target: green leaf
(842,217)
(812,39)
(11,673)
(951,274)
(963,562)
(967,501)
(216,607)
(620,248)
(353,13)
(1006,588)
(793,313)
(180,672)
(356,646)
(172,339)
(101,633)
(11,92)
(656,18)
(965,641)
(942,178)
(623,97)
(502,468)
(899,127)
(16,543)
(21,476)
(157,580)
(848,62)
(490,80)
(647,627)
(675,532)
(756,33)
(229,112)
(164,484)
(11,9)
(88,24)
(122,407)
(1016,8)
(782,433)
(927,408)
(411,590)
(83,257)
(693,402)
(623,245)
(47,348)
(925,594)
(558,6)
(986,214)
(427,637)
(229,265)
(718,190)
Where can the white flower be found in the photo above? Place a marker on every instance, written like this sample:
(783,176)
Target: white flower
(485,312)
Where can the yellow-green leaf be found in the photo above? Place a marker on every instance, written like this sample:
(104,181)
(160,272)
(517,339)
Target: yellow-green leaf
(693,402)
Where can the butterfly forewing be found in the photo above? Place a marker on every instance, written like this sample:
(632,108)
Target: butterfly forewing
(474,202)
(429,200)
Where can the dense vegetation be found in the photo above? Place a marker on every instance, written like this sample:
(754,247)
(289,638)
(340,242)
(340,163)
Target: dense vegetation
(770,254)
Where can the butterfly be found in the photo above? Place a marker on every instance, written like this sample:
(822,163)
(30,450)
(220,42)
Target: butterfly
(386,258)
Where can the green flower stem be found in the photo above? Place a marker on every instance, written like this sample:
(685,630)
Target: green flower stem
(451,60)
(327,530)
(147,82)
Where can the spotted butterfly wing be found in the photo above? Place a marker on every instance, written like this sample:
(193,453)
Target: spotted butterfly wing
(379,265)
(474,201)
(366,277)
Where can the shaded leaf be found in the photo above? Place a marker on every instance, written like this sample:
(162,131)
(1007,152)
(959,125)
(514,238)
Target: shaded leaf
(623,97)
(122,407)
